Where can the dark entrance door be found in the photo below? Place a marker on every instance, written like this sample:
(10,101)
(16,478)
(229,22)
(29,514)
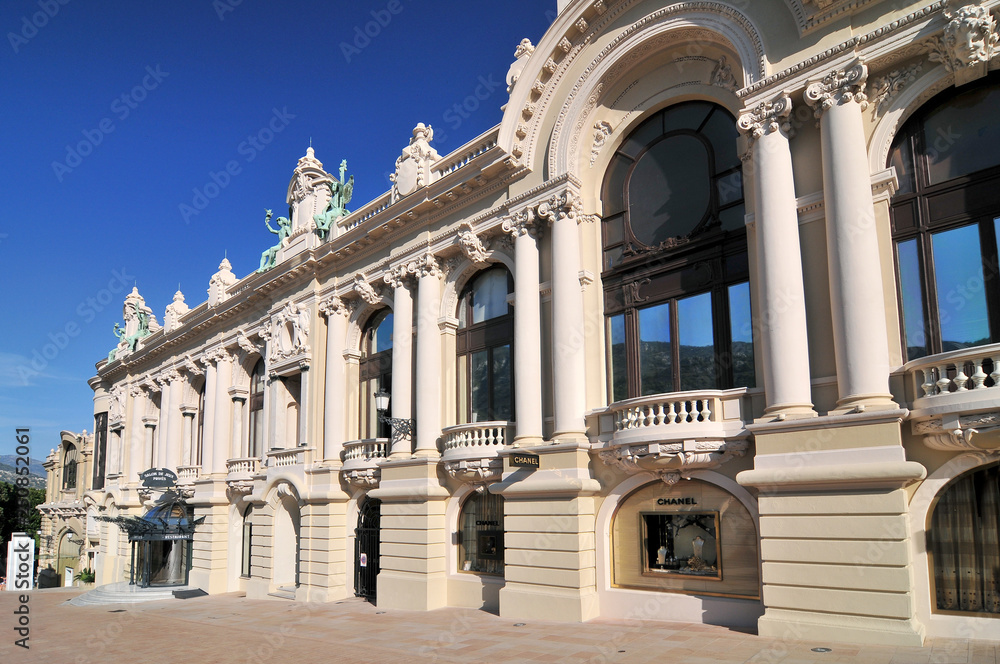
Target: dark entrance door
(366,545)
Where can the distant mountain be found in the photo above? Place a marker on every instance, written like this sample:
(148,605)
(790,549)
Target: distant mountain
(8,474)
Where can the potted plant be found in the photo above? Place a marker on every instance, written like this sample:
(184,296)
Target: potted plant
(85,578)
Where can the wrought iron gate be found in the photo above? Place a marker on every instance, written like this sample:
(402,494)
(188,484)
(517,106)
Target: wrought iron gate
(366,545)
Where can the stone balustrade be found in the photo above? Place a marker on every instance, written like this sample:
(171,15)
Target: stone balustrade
(476,440)
(675,416)
(188,474)
(960,380)
(242,468)
(295,456)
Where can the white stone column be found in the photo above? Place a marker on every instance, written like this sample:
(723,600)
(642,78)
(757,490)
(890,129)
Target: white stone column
(160,450)
(402,354)
(211,407)
(148,461)
(527,328)
(859,342)
(428,357)
(189,437)
(136,439)
(781,301)
(172,431)
(335,391)
(220,441)
(240,441)
(568,361)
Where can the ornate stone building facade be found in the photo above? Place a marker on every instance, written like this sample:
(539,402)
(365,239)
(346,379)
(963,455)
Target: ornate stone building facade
(704,329)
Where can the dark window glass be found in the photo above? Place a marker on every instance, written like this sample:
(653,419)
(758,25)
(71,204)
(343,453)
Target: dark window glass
(675,256)
(376,372)
(485,343)
(947,157)
(100,449)
(69,466)
(200,437)
(247,543)
(256,429)
(480,534)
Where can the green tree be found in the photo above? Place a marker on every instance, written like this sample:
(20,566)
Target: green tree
(17,512)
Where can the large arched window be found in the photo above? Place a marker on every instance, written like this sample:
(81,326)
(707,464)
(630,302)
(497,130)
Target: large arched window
(375,372)
(964,543)
(946,219)
(69,466)
(676,287)
(480,534)
(485,343)
(256,429)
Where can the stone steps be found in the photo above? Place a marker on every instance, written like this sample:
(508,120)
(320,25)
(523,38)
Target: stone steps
(123,593)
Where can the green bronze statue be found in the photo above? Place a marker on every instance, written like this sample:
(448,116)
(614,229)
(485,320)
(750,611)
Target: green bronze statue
(132,339)
(269,257)
(340,196)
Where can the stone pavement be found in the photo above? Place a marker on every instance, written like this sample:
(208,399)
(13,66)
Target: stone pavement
(230,629)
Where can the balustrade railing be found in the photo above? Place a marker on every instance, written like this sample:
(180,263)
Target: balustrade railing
(289,457)
(188,474)
(963,370)
(368,449)
(248,466)
(476,435)
(696,413)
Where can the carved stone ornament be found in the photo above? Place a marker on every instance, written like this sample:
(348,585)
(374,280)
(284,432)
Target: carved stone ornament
(241,487)
(334,306)
(289,332)
(523,222)
(175,311)
(722,75)
(562,206)
(116,408)
(471,245)
(601,132)
(840,86)
(191,367)
(365,290)
(424,266)
(884,88)
(475,471)
(521,55)
(363,478)
(968,44)
(248,346)
(413,166)
(398,276)
(674,461)
(767,117)
(953,433)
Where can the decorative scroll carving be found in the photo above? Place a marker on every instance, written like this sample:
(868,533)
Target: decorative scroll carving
(978,432)
(722,75)
(290,332)
(475,471)
(363,478)
(839,87)
(334,306)
(766,117)
(365,290)
(472,246)
(413,166)
(248,346)
(116,407)
(674,461)
(601,132)
(885,88)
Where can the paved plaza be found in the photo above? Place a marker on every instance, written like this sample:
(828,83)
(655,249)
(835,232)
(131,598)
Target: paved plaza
(227,629)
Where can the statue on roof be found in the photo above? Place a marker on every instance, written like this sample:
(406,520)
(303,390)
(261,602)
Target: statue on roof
(340,195)
(269,257)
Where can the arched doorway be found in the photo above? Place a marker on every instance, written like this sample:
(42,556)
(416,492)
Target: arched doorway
(285,573)
(366,549)
(68,561)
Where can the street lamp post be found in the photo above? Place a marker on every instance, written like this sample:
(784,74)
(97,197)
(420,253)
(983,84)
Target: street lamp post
(401,427)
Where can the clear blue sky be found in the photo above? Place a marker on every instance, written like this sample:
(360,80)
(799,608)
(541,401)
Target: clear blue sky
(112,114)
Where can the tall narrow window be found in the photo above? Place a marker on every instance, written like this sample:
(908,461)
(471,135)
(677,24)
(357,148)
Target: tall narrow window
(199,437)
(247,543)
(480,534)
(375,372)
(945,218)
(676,270)
(100,449)
(256,429)
(69,466)
(485,343)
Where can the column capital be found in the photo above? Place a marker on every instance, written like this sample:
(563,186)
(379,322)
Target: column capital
(425,266)
(839,87)
(767,117)
(398,277)
(335,306)
(522,222)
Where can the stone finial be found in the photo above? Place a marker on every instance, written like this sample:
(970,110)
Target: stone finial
(220,282)
(521,55)
(175,311)
(413,166)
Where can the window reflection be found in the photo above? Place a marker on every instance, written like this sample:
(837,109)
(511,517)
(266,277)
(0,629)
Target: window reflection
(741,335)
(619,377)
(914,325)
(697,342)
(960,288)
(655,357)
